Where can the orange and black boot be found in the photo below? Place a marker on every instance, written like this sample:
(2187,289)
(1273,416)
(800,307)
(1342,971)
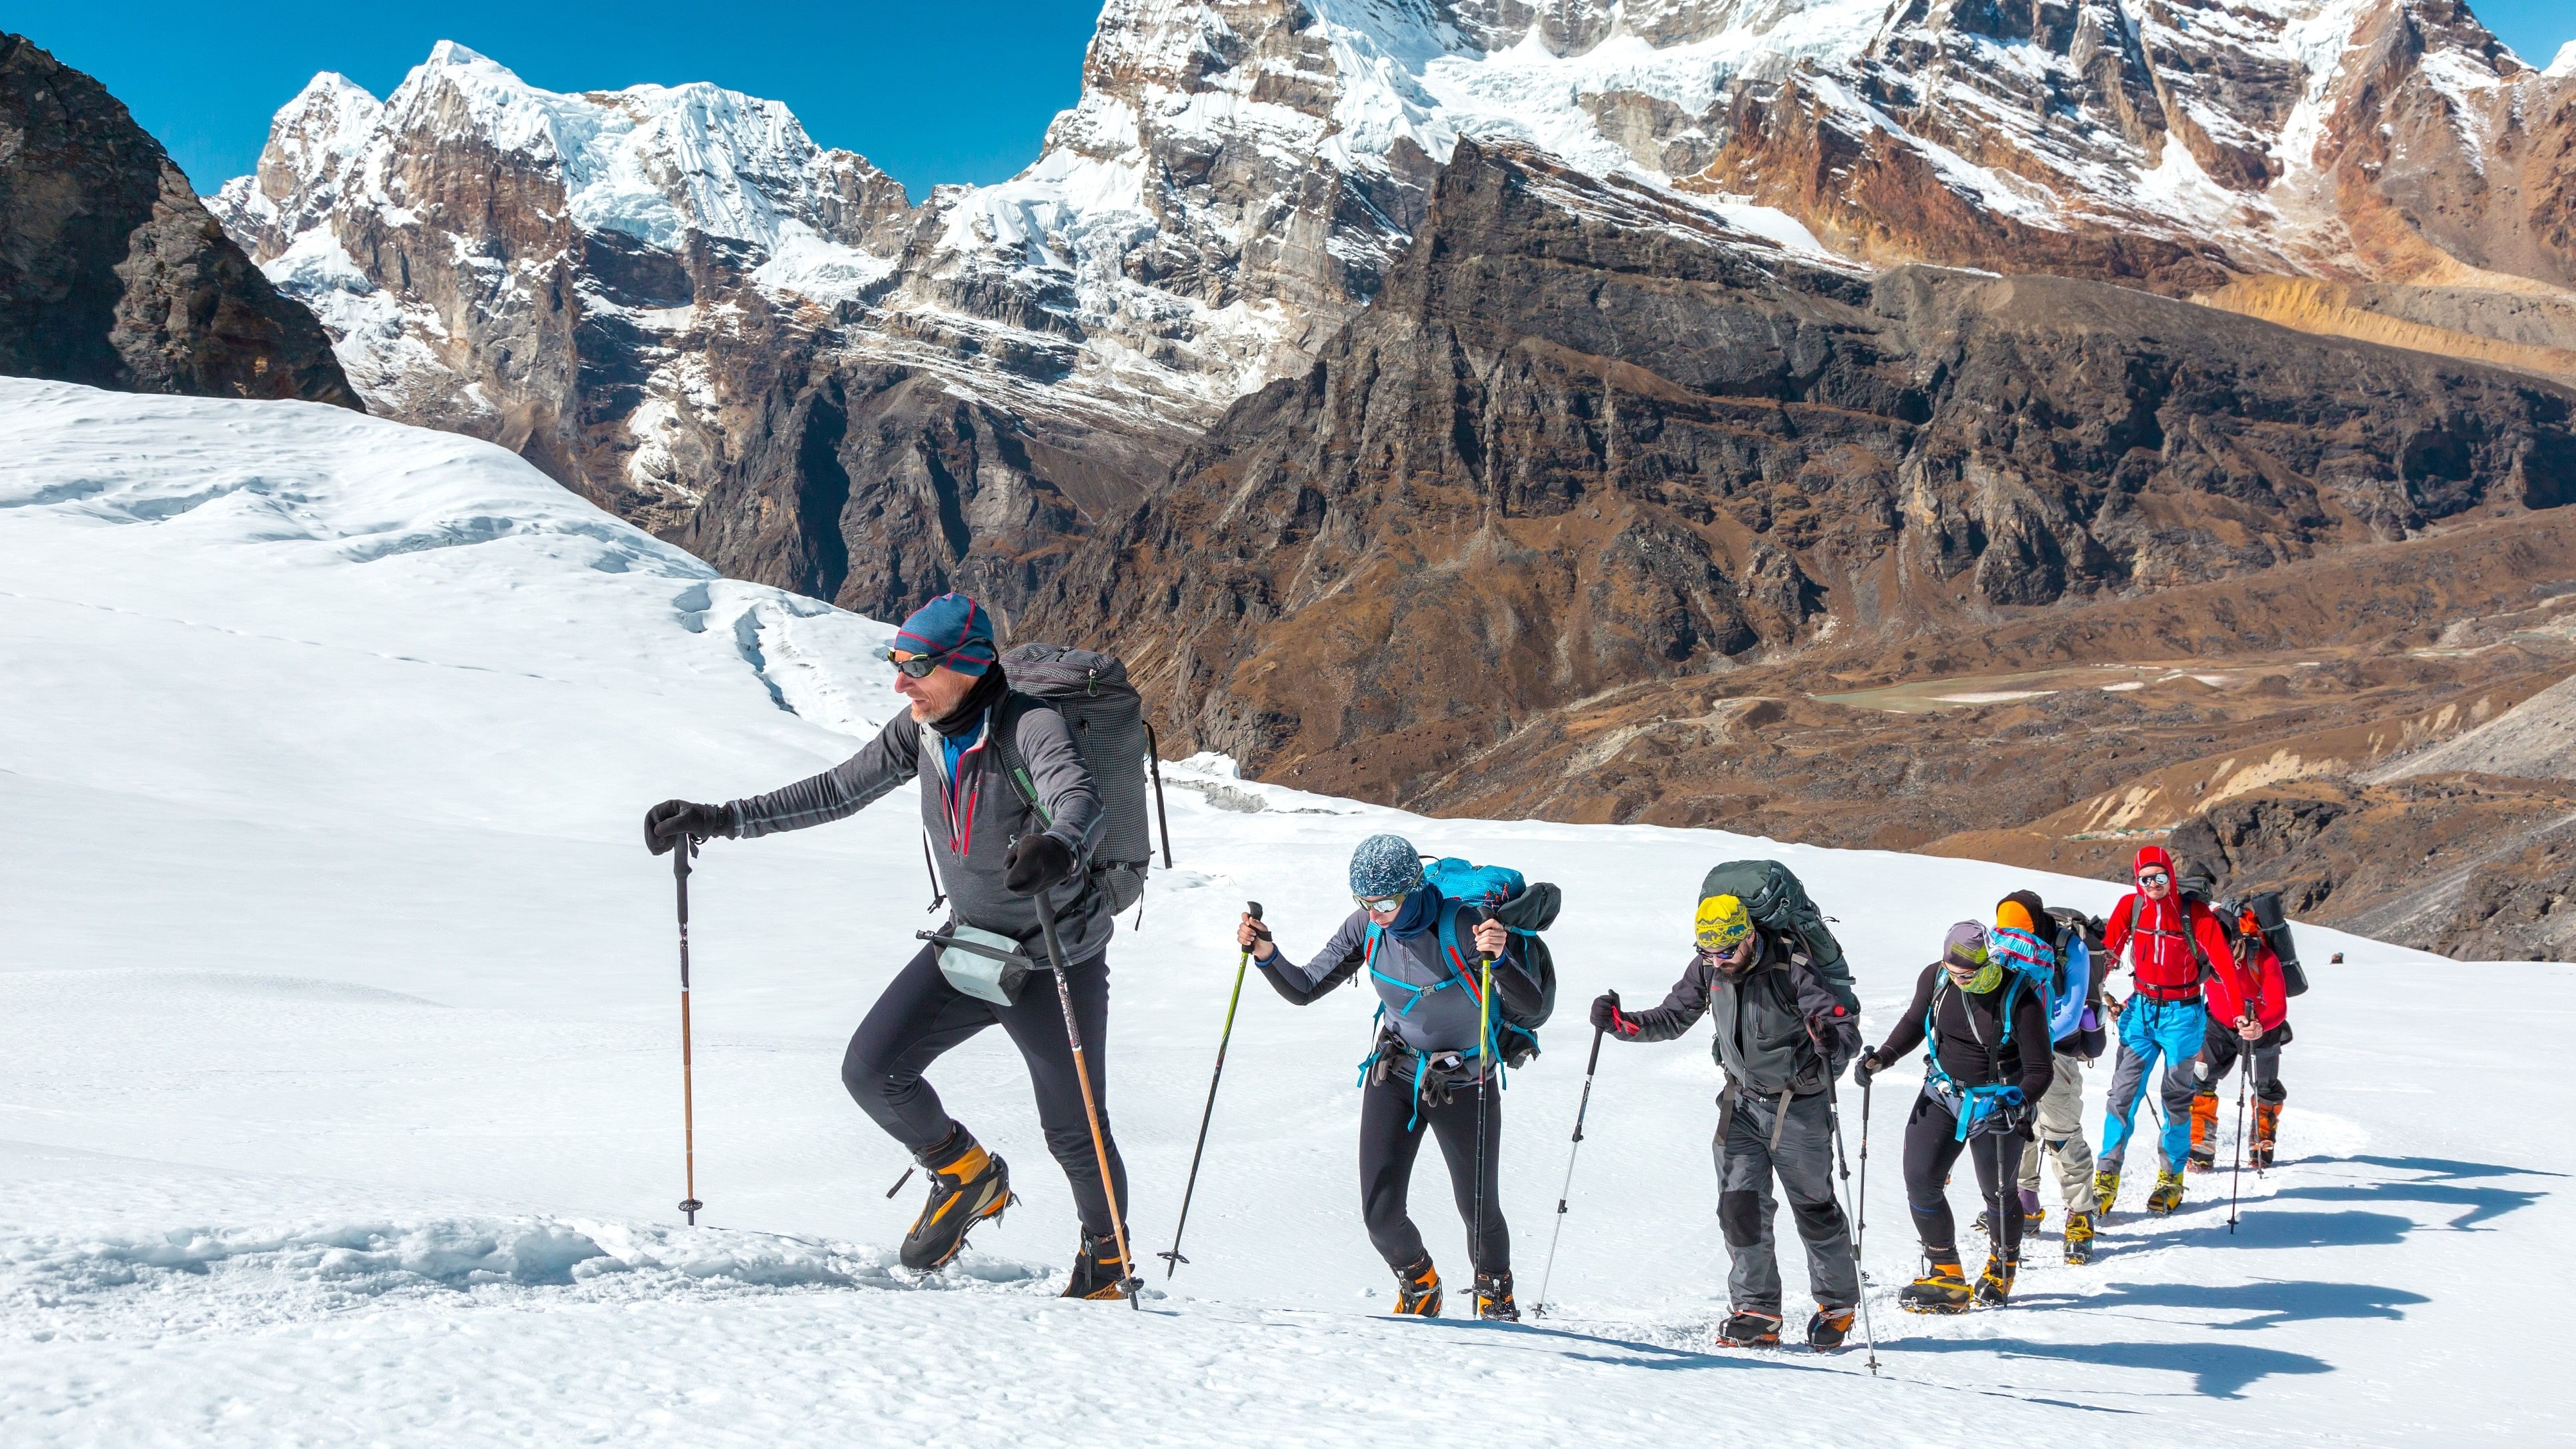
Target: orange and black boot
(2204,1132)
(1750,1328)
(1943,1288)
(1417,1291)
(967,1185)
(2267,1128)
(1827,1329)
(1098,1271)
(1494,1297)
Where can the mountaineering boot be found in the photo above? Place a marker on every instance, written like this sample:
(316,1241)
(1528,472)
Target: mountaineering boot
(1943,1288)
(1994,1286)
(2168,1192)
(1417,1291)
(2106,1188)
(1098,1271)
(1827,1330)
(1494,1297)
(1750,1328)
(2267,1128)
(2204,1132)
(2079,1238)
(967,1185)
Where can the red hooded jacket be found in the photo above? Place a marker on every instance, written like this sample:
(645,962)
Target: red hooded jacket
(2254,986)
(2160,957)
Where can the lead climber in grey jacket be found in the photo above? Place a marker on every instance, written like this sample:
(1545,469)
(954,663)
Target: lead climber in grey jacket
(1428,1062)
(995,851)
(1782,1038)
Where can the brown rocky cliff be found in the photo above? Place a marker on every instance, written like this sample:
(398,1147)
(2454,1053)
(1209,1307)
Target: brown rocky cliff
(112,273)
(1588,438)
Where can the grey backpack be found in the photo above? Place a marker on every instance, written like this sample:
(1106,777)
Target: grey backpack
(1107,719)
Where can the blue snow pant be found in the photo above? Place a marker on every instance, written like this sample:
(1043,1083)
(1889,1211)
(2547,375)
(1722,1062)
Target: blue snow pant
(2149,1029)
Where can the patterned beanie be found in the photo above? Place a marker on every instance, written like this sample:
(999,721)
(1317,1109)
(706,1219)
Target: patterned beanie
(1385,865)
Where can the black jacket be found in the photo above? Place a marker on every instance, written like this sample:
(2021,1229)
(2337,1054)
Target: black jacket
(1969,1033)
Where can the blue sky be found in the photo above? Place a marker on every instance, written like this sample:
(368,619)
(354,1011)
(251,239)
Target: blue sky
(951,90)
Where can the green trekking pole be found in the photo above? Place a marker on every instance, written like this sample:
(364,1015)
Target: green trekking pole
(1484,1075)
(1173,1259)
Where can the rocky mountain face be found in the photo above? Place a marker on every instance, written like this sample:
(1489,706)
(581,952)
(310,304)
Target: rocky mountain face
(678,305)
(111,272)
(2467,846)
(1590,437)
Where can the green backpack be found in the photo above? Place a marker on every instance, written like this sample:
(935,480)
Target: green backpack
(1776,901)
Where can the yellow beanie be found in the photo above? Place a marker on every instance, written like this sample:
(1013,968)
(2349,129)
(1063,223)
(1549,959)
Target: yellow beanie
(1722,923)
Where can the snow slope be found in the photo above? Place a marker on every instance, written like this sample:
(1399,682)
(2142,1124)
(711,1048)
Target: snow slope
(340,1105)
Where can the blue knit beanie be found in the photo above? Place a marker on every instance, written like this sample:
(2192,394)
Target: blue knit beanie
(955,629)
(1385,865)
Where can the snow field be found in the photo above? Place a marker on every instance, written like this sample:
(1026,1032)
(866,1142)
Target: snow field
(340,1104)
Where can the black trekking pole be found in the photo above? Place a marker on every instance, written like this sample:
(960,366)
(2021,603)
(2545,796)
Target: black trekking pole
(682,849)
(1581,1108)
(1173,1259)
(2236,1186)
(1834,1109)
(1860,1232)
(1090,1106)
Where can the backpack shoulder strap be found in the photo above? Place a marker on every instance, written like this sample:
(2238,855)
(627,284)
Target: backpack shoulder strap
(1004,723)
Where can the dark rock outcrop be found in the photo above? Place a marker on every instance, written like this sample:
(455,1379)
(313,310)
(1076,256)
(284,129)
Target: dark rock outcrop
(1589,438)
(111,272)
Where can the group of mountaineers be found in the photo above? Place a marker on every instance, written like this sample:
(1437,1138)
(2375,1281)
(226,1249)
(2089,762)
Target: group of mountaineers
(1031,775)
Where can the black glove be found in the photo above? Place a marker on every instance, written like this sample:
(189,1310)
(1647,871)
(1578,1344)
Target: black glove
(1865,1068)
(1605,1015)
(665,823)
(1036,862)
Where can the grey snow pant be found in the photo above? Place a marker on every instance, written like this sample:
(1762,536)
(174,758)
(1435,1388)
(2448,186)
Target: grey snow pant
(2061,1139)
(1804,1164)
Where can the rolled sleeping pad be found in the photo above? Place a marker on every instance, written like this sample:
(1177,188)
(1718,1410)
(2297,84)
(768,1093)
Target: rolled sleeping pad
(2266,906)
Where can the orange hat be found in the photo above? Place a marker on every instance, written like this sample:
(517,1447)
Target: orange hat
(2013,915)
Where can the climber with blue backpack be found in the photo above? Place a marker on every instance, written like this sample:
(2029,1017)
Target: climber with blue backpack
(1988,1067)
(1463,983)
(2059,945)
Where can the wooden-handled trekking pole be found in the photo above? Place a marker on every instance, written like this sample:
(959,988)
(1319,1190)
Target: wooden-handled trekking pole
(1173,1260)
(681,850)
(1090,1105)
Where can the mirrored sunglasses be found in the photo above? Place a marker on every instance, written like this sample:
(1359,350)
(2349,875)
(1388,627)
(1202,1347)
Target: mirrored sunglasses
(914,666)
(2153,877)
(1378,903)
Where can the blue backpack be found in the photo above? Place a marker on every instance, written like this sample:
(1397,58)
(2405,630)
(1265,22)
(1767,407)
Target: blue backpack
(1504,895)
(2060,979)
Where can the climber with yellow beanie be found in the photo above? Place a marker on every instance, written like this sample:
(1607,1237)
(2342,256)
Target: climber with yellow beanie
(1783,1035)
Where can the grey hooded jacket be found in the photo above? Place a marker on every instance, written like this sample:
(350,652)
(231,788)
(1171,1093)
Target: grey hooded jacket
(1763,1022)
(992,810)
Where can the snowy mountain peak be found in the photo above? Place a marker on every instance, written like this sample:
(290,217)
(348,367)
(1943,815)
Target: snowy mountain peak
(2565,64)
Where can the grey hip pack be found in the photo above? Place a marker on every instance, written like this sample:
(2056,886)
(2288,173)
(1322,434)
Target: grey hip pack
(982,964)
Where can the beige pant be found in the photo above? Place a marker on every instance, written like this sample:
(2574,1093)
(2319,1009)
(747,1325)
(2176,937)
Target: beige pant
(2061,1138)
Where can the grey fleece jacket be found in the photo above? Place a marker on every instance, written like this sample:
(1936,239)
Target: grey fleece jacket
(991,811)
(1426,1006)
